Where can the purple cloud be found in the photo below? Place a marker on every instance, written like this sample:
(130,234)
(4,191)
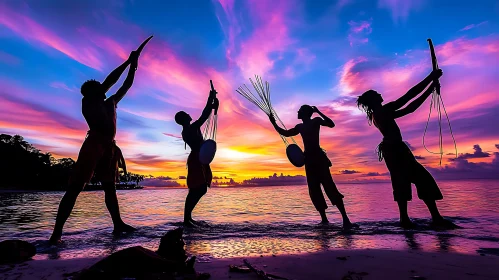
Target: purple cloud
(347,172)
(160,182)
(477,154)
(275,180)
(461,168)
(359,31)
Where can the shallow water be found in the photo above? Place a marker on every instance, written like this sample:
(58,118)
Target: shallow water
(256,221)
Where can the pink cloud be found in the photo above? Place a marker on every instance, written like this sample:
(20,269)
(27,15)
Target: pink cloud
(400,9)
(469,52)
(173,135)
(177,81)
(471,26)
(159,116)
(231,28)
(30,30)
(397,74)
(362,26)
(271,35)
(61,85)
(258,53)
(350,81)
(469,96)
(359,31)
(23,117)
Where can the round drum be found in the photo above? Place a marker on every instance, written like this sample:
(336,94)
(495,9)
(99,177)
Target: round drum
(295,155)
(207,151)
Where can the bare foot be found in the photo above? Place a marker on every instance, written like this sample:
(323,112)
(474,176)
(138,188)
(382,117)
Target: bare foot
(324,222)
(444,224)
(55,239)
(407,224)
(195,222)
(348,225)
(189,224)
(123,228)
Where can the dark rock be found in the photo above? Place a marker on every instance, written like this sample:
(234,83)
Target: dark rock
(172,245)
(16,251)
(133,262)
(140,263)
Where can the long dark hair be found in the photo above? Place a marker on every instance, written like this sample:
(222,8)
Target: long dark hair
(365,102)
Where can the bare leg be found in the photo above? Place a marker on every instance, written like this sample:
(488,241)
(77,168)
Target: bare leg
(65,208)
(405,221)
(191,201)
(324,219)
(114,209)
(432,206)
(335,197)
(438,220)
(346,221)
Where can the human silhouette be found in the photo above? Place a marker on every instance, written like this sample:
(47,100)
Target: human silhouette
(199,175)
(99,152)
(403,166)
(316,161)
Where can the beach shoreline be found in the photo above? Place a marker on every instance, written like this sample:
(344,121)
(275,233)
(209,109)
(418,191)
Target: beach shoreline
(331,264)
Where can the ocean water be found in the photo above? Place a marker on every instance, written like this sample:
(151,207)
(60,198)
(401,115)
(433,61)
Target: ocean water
(256,221)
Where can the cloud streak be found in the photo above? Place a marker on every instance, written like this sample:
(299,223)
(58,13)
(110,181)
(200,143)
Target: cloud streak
(308,59)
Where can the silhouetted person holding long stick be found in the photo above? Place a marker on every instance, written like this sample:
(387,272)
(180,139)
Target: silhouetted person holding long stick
(403,166)
(316,161)
(99,152)
(199,175)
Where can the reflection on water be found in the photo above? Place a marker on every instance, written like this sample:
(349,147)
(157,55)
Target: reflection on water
(255,221)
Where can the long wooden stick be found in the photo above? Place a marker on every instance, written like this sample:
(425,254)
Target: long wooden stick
(434,64)
(141,47)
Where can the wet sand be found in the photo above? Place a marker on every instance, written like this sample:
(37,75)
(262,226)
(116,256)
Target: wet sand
(366,264)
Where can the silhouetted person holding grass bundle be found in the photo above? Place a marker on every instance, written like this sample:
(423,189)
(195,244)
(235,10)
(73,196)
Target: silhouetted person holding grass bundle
(403,167)
(99,152)
(316,161)
(199,175)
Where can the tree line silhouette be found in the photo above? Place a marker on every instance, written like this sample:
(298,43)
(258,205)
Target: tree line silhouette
(23,166)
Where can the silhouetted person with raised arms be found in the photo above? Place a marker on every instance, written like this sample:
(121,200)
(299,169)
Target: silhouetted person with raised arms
(403,166)
(199,175)
(99,152)
(316,161)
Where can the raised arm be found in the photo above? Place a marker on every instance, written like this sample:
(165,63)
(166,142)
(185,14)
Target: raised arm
(414,105)
(114,76)
(414,91)
(284,132)
(325,121)
(207,109)
(127,84)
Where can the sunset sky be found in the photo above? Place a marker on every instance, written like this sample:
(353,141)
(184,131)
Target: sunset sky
(322,53)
